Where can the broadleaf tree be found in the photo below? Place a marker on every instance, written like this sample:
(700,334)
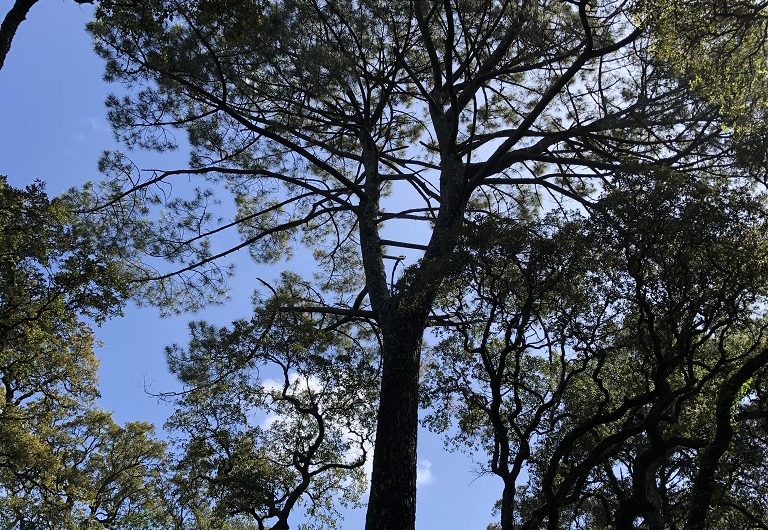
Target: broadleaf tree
(335,124)
(63,462)
(277,413)
(614,388)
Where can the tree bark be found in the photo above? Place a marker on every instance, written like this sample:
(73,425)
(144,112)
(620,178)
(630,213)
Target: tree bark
(508,505)
(402,319)
(392,502)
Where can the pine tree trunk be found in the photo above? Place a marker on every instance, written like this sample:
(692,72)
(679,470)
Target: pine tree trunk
(402,319)
(392,501)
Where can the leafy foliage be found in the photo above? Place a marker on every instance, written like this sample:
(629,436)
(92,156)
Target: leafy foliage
(256,446)
(63,464)
(616,382)
(330,122)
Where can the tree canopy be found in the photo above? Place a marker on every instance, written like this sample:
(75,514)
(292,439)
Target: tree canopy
(257,447)
(63,462)
(578,189)
(617,384)
(333,122)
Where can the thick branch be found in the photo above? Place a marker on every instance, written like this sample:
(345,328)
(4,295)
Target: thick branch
(13,19)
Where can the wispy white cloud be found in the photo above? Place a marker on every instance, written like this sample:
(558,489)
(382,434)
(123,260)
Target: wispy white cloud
(296,383)
(87,128)
(424,475)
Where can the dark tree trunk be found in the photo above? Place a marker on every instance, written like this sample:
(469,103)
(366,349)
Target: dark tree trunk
(392,502)
(508,506)
(402,319)
(282,524)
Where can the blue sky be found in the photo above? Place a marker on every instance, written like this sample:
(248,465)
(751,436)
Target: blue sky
(53,128)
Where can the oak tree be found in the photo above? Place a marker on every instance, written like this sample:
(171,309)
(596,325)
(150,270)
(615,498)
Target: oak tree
(277,413)
(619,387)
(63,462)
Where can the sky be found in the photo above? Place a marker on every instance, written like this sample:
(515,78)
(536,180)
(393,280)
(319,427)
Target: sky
(53,128)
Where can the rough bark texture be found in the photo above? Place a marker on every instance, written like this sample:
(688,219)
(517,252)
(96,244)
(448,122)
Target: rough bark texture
(392,503)
(402,318)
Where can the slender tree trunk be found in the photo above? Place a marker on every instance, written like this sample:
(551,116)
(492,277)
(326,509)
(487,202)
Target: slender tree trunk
(392,502)
(508,505)
(402,319)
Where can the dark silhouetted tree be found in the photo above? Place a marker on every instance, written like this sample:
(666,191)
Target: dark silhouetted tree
(333,124)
